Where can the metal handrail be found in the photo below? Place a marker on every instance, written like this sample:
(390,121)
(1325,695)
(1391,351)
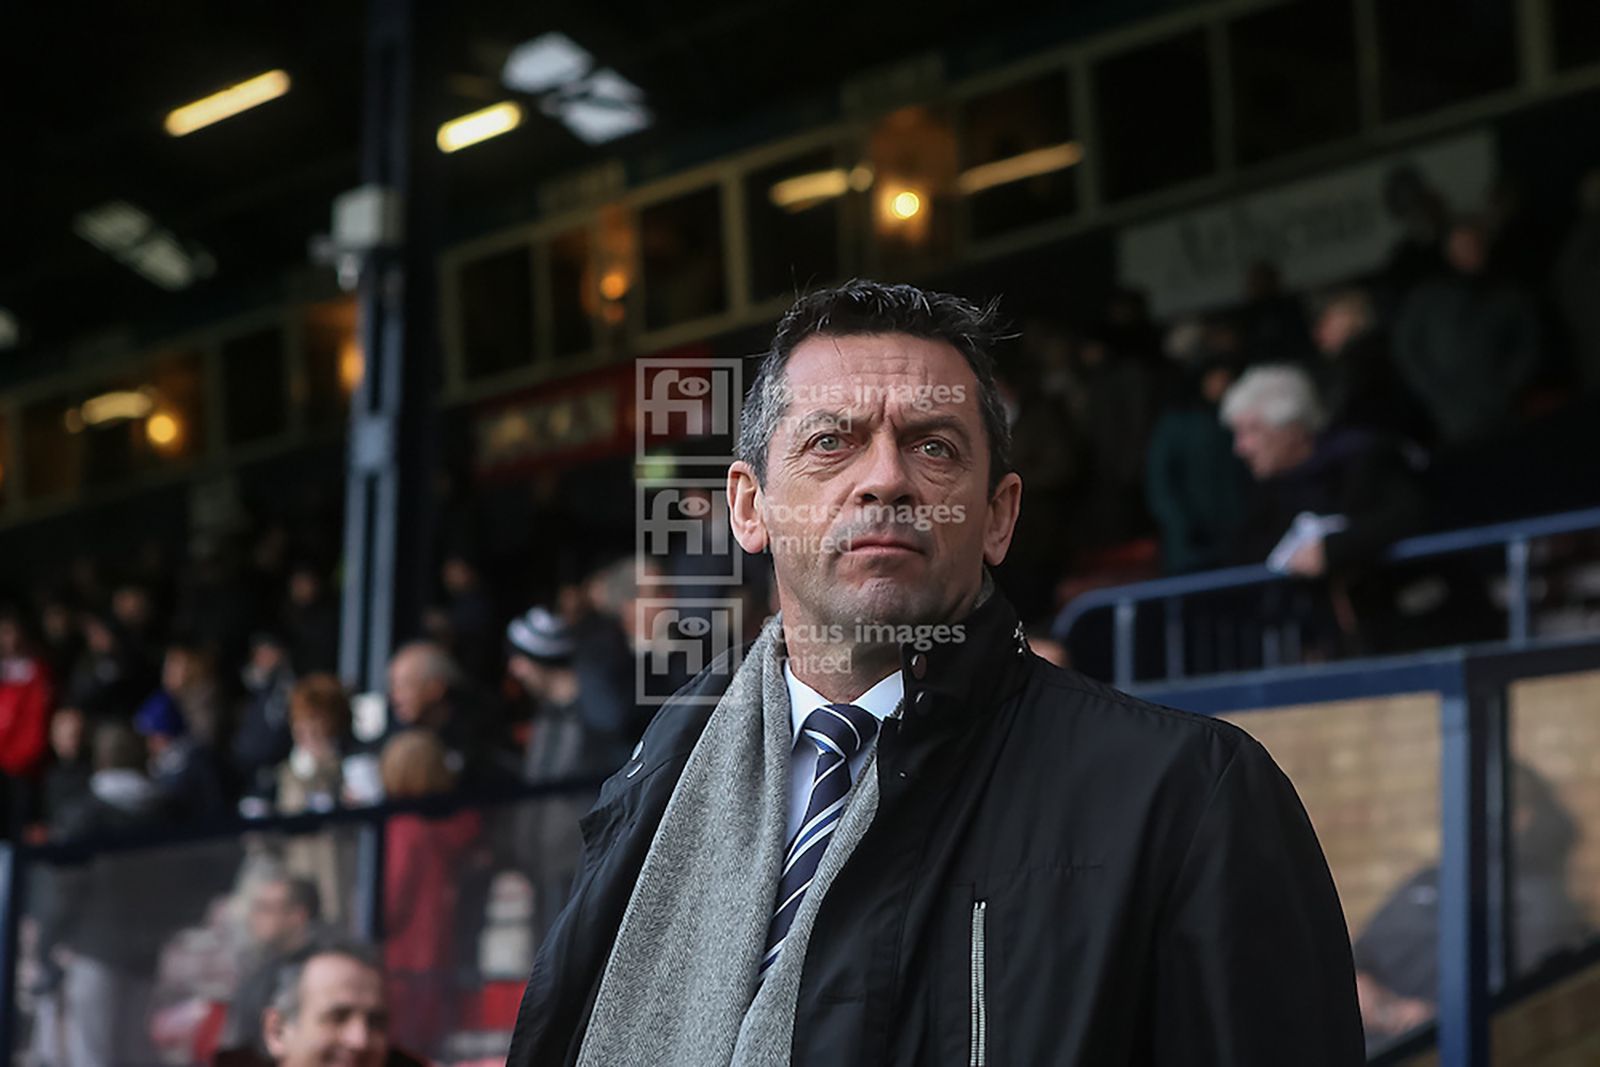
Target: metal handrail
(1125,600)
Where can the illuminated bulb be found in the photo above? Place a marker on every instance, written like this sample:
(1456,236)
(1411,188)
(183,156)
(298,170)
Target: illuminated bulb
(614,285)
(161,429)
(479,126)
(905,204)
(227,103)
(352,365)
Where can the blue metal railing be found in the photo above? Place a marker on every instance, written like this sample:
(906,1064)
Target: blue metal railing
(1124,600)
(16,860)
(1475,927)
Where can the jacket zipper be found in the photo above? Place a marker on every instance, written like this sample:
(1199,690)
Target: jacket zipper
(980,996)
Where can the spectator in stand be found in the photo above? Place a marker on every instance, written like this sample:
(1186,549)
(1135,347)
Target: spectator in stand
(188,677)
(312,779)
(423,862)
(183,769)
(1273,322)
(134,610)
(1301,466)
(62,637)
(107,681)
(1417,209)
(1196,487)
(581,718)
(66,778)
(1397,954)
(426,691)
(103,924)
(1115,404)
(1326,503)
(263,739)
(283,924)
(471,618)
(1468,343)
(27,696)
(311,622)
(1577,284)
(1356,376)
(331,1008)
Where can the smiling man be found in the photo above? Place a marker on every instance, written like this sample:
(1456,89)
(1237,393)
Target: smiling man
(897,836)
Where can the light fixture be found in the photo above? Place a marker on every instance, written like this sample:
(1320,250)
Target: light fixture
(547,62)
(1019,167)
(10,330)
(614,284)
(352,365)
(163,430)
(905,204)
(804,191)
(118,406)
(600,108)
(479,126)
(132,238)
(228,102)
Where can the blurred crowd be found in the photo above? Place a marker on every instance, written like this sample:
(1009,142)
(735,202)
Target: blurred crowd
(1454,385)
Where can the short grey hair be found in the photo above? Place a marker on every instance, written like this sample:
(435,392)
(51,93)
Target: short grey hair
(436,663)
(1279,394)
(286,990)
(865,307)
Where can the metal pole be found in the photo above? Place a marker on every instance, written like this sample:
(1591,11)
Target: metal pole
(1517,590)
(12,902)
(1176,639)
(369,880)
(1463,883)
(1127,611)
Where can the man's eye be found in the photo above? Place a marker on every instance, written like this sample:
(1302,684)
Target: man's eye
(827,442)
(936,449)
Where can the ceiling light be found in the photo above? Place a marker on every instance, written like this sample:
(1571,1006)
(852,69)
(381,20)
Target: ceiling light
(600,108)
(479,126)
(133,239)
(808,190)
(1019,167)
(547,62)
(10,330)
(119,406)
(227,103)
(162,430)
(905,204)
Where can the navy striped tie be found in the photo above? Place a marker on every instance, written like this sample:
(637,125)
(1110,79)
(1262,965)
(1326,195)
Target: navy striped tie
(838,731)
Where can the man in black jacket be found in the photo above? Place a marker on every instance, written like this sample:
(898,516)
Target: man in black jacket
(897,836)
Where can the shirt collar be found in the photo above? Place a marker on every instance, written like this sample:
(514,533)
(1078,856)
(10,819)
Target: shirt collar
(879,701)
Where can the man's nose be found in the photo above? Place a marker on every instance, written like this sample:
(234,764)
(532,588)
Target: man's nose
(884,476)
(358,1033)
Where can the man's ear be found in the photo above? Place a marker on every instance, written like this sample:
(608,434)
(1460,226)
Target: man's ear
(1000,518)
(273,1025)
(744,508)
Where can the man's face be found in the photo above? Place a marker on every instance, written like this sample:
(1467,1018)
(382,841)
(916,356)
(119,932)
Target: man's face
(275,921)
(342,1018)
(1266,449)
(876,505)
(411,691)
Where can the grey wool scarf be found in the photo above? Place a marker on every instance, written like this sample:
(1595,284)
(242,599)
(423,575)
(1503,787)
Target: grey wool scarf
(680,986)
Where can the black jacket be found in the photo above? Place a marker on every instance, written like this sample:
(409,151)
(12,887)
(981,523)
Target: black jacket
(1057,874)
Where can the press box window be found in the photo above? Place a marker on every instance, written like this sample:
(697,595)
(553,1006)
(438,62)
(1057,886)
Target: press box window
(573,292)
(792,211)
(681,247)
(1294,79)
(1432,55)
(496,295)
(255,386)
(1576,26)
(1153,107)
(1018,157)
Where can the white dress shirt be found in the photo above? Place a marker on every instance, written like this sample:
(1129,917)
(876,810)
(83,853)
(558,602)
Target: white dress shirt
(879,701)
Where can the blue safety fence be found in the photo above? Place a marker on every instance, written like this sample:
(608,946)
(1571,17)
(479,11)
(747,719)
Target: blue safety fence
(1475,936)
(1514,539)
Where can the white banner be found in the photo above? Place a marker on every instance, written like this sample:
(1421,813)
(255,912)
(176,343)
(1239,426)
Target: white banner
(1317,231)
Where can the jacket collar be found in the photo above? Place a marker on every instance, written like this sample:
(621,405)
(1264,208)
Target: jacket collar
(961,670)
